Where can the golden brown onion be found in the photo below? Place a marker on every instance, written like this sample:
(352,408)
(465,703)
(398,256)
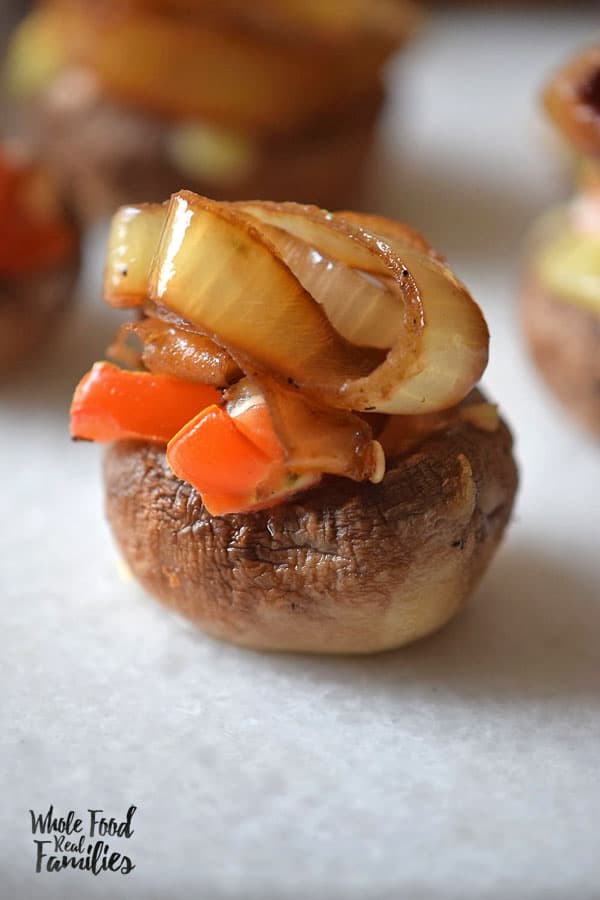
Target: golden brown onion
(353,283)
(134,234)
(433,303)
(217,269)
(213,268)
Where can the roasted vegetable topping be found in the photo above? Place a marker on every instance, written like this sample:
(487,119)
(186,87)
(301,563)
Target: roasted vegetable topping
(320,328)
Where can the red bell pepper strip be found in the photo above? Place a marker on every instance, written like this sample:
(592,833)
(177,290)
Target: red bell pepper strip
(111,404)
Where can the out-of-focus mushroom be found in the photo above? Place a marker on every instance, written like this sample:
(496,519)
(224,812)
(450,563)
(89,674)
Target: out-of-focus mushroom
(561,291)
(39,255)
(273,98)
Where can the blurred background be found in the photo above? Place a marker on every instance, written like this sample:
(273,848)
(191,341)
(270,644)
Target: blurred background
(463,767)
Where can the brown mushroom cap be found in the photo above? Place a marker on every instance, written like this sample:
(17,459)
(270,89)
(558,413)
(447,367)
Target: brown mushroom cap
(30,305)
(564,338)
(344,568)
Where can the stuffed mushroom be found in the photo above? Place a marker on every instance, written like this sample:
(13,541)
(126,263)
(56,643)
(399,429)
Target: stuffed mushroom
(39,256)
(273,98)
(561,297)
(298,457)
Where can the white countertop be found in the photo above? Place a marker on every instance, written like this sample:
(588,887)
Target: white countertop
(467,766)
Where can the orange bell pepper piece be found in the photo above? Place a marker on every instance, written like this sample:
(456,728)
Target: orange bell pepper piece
(111,404)
(216,458)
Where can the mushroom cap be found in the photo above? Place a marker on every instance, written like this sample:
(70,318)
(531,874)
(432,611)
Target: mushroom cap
(346,567)
(564,339)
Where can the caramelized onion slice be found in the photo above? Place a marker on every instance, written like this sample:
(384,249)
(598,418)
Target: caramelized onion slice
(369,298)
(214,268)
(134,235)
(452,355)
(175,351)
(414,292)
(355,302)
(361,320)
(435,334)
(394,234)
(315,438)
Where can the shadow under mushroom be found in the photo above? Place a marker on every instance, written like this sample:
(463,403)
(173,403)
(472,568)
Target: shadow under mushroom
(531,633)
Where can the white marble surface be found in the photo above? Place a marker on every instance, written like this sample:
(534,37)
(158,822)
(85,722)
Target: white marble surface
(467,766)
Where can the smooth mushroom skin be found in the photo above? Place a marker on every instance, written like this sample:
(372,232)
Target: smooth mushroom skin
(344,568)
(564,339)
(31,304)
(109,154)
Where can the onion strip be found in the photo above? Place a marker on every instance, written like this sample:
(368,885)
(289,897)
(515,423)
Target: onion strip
(362,316)
(134,235)
(215,267)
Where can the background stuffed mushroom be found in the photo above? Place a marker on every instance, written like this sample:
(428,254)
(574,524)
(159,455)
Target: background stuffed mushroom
(561,294)
(39,255)
(266,99)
